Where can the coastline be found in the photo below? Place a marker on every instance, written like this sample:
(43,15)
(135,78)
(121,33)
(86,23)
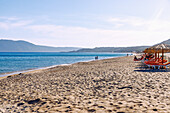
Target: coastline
(108,85)
(5,75)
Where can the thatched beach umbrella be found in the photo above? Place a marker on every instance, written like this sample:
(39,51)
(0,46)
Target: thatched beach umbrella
(160,48)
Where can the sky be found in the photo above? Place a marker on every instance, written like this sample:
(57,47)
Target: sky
(86,23)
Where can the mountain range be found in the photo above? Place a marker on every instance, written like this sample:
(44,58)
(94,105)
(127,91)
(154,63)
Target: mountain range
(119,49)
(24,46)
(114,49)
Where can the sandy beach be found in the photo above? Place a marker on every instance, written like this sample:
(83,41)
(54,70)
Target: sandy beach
(116,85)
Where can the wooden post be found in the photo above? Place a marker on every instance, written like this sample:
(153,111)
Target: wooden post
(162,55)
(155,56)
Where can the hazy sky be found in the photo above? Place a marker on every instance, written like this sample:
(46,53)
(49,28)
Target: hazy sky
(86,23)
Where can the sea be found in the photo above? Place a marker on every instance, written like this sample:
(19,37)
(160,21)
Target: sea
(20,61)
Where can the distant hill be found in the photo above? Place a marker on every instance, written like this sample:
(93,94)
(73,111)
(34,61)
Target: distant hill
(119,49)
(24,46)
(114,49)
(165,42)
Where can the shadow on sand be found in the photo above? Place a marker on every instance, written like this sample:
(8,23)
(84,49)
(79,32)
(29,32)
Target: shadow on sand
(153,70)
(142,68)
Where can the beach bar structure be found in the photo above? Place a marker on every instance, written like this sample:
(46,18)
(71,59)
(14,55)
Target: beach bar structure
(157,49)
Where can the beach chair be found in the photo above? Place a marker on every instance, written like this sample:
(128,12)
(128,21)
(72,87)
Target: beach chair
(157,64)
(138,59)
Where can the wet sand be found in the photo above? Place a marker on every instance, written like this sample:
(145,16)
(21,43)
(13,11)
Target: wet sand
(116,85)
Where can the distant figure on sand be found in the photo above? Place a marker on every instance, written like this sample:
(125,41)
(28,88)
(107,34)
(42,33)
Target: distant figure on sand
(135,58)
(96,57)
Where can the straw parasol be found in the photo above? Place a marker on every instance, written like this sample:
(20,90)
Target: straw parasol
(159,48)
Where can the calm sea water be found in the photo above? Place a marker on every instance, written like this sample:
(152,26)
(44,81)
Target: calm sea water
(19,61)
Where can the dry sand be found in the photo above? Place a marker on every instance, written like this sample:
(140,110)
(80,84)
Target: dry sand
(115,85)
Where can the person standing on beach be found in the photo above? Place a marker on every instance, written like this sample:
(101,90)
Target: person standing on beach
(96,58)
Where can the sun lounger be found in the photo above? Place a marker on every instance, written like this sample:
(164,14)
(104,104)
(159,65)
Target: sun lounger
(157,64)
(138,59)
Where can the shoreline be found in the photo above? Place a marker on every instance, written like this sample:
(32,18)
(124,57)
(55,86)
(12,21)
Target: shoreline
(117,85)
(3,75)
